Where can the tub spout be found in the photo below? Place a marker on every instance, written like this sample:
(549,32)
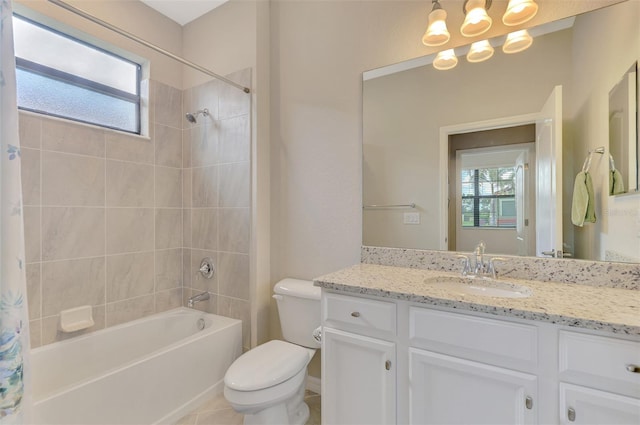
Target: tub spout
(197,298)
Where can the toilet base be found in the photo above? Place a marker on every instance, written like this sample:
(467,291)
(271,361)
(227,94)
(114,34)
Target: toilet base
(292,412)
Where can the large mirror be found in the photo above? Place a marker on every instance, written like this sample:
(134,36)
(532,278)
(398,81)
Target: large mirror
(491,151)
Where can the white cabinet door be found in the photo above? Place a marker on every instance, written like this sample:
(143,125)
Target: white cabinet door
(358,379)
(582,405)
(449,390)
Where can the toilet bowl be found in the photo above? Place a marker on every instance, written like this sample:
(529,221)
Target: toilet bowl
(267,383)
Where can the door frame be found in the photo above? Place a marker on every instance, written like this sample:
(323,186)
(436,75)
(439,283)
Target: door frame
(468,127)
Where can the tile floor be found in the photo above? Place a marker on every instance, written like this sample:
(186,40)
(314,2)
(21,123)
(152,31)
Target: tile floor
(218,412)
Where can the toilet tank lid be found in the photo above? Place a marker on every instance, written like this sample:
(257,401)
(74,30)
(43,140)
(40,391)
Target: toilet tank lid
(297,288)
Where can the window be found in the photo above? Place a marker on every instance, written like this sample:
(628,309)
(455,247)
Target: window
(62,76)
(488,197)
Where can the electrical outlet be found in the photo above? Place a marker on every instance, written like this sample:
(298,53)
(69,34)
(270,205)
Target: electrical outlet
(411,218)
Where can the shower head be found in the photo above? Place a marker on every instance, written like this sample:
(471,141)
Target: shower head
(191,117)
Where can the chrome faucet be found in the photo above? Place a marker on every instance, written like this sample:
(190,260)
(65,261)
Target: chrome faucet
(480,267)
(197,298)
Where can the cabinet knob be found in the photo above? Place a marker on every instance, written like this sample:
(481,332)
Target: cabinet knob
(355,314)
(633,368)
(571,414)
(528,402)
(387,365)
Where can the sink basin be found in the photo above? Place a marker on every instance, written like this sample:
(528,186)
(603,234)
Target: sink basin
(479,286)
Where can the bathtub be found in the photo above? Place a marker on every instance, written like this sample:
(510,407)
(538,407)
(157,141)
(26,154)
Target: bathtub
(152,370)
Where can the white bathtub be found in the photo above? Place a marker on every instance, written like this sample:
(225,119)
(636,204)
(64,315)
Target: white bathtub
(152,370)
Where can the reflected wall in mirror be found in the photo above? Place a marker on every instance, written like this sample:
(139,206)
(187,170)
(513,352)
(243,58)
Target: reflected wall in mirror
(406,112)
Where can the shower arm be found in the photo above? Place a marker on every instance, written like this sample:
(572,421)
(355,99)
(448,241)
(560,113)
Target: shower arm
(152,46)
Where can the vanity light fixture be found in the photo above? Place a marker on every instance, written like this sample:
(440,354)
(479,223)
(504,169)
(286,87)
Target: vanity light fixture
(519,11)
(476,21)
(437,33)
(480,51)
(517,42)
(446,59)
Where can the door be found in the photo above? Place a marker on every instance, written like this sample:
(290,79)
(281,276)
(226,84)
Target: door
(522,210)
(450,390)
(581,405)
(549,176)
(358,379)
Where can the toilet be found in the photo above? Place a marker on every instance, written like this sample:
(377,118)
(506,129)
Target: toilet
(267,383)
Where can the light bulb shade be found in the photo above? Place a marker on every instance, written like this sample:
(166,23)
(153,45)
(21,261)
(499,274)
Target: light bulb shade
(477,20)
(519,12)
(437,33)
(444,60)
(480,51)
(517,42)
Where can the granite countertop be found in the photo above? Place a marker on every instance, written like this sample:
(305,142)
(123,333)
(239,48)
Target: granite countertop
(599,308)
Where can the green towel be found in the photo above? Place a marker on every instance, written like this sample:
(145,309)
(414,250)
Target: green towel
(616,183)
(582,207)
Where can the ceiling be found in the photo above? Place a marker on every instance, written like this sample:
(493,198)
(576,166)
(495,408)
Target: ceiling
(183,11)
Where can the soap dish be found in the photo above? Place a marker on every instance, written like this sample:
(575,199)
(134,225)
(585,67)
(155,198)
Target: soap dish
(76,319)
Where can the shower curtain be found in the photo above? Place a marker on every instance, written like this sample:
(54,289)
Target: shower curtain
(14,323)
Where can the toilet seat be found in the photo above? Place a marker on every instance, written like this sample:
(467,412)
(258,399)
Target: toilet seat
(266,366)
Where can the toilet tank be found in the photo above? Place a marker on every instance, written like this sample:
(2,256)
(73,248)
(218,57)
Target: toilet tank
(299,310)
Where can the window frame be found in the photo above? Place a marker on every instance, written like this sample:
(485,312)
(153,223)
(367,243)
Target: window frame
(72,79)
(476,197)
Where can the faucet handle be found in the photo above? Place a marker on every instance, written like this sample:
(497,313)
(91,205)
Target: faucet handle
(466,264)
(492,265)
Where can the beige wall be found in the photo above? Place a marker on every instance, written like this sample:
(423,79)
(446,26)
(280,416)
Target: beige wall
(597,70)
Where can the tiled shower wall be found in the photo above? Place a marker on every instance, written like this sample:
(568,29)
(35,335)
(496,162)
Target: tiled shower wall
(104,212)
(216,159)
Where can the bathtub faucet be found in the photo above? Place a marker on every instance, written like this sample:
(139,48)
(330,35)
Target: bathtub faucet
(197,298)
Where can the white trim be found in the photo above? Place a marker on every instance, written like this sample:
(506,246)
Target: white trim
(469,127)
(314,384)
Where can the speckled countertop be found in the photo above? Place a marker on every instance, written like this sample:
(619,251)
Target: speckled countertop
(599,308)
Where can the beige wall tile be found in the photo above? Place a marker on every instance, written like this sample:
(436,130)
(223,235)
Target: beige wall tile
(204,96)
(168,105)
(30,130)
(235,139)
(204,228)
(199,282)
(167,300)
(34,290)
(168,269)
(237,309)
(129,184)
(187,188)
(64,136)
(35,333)
(168,187)
(129,147)
(129,230)
(234,185)
(233,275)
(51,330)
(30,169)
(168,142)
(204,145)
(186,268)
(72,232)
(72,283)
(205,186)
(168,228)
(186,228)
(32,234)
(128,310)
(129,275)
(186,148)
(233,228)
(234,102)
(72,180)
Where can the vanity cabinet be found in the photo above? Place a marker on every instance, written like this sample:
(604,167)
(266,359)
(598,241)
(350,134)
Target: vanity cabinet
(599,379)
(358,361)
(394,361)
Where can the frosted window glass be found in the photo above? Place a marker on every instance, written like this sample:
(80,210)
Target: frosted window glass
(49,48)
(41,94)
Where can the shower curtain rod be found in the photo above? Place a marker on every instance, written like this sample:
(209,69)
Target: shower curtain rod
(152,46)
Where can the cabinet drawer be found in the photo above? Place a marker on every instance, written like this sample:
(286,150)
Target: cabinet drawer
(601,362)
(362,315)
(495,342)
